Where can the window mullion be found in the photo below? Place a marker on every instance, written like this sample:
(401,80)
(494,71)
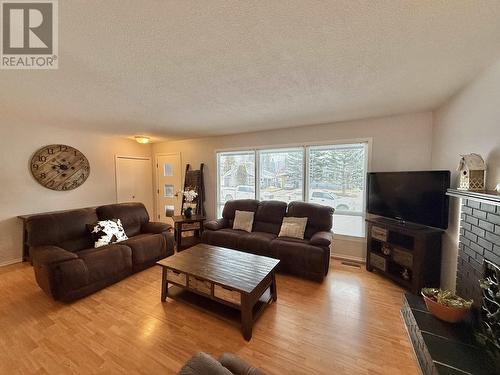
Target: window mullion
(305,175)
(257,174)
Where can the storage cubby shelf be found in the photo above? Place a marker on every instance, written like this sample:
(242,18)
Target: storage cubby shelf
(413,257)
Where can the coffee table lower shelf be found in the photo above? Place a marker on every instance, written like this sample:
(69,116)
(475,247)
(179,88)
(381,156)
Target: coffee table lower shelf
(218,309)
(242,315)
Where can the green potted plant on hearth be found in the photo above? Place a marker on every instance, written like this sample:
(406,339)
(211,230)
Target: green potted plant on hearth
(446,305)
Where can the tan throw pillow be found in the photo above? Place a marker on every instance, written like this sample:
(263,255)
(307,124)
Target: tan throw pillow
(243,220)
(293,227)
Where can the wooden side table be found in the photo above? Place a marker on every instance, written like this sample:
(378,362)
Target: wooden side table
(184,224)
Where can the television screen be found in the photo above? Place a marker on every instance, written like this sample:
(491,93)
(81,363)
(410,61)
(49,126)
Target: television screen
(418,197)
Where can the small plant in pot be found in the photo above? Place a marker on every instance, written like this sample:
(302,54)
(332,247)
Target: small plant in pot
(445,305)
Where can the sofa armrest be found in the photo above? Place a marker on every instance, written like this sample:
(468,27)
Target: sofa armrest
(57,271)
(47,255)
(203,364)
(323,239)
(238,366)
(216,224)
(155,227)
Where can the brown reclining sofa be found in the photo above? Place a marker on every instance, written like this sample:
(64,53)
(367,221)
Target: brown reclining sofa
(308,257)
(66,264)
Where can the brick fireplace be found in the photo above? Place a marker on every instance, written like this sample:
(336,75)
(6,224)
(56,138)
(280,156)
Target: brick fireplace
(442,348)
(479,240)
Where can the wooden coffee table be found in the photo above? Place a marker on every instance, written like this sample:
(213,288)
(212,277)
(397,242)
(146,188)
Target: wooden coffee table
(243,281)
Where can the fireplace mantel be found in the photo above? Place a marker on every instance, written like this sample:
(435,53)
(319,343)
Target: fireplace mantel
(489,197)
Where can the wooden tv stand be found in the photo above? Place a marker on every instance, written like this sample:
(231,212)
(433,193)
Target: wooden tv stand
(393,247)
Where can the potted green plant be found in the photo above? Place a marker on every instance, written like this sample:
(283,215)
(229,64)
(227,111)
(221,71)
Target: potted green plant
(445,305)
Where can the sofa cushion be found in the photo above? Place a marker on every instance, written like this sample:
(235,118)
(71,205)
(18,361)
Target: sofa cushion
(226,237)
(132,216)
(146,248)
(269,216)
(299,257)
(106,261)
(106,232)
(243,220)
(242,205)
(320,218)
(293,227)
(257,243)
(155,227)
(64,229)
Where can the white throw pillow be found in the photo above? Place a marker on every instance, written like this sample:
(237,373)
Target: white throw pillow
(243,220)
(293,227)
(106,232)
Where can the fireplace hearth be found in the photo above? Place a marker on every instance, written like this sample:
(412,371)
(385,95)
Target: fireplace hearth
(470,347)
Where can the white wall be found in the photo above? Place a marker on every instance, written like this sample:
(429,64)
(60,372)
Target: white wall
(21,194)
(399,143)
(468,122)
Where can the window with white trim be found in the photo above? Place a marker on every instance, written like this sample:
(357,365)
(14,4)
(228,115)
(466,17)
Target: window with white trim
(332,175)
(235,176)
(281,174)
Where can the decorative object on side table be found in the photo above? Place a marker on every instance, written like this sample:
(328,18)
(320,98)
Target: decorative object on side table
(445,305)
(189,196)
(406,274)
(472,171)
(386,249)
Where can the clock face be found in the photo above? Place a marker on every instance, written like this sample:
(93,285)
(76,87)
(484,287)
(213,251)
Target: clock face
(60,167)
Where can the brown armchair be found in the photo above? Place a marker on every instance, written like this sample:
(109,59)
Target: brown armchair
(227,364)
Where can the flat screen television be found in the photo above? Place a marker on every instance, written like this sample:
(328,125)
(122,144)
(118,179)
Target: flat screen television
(417,197)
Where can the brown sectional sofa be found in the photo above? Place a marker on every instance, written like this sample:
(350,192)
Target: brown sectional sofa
(66,264)
(309,258)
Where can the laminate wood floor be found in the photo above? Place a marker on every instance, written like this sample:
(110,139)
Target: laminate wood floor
(349,324)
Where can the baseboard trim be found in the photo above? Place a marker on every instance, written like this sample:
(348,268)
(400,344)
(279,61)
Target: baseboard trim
(349,258)
(12,261)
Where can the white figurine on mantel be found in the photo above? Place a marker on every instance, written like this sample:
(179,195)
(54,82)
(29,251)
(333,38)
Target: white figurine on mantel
(472,170)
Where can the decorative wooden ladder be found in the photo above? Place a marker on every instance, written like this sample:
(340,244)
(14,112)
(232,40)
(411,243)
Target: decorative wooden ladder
(193,179)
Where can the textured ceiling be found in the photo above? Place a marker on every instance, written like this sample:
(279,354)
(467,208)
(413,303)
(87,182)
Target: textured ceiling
(193,68)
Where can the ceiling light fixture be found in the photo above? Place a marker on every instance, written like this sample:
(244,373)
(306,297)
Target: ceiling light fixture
(142,139)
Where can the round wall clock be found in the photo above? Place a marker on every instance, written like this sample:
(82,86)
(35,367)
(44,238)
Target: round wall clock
(60,167)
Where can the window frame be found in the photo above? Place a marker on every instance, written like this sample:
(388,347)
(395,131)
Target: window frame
(367,146)
(217,160)
(306,146)
(259,152)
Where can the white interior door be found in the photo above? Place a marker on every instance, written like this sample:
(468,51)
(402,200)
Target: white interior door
(134,181)
(169,183)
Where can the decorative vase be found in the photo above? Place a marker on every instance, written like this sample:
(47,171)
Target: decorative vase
(188,212)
